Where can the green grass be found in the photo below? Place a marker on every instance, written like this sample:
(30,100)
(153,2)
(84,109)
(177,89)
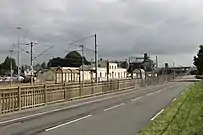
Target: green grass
(183,117)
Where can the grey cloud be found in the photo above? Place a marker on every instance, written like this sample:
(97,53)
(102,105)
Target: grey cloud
(125,27)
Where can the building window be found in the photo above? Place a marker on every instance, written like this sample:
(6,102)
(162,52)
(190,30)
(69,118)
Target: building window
(121,75)
(115,67)
(100,74)
(105,74)
(118,75)
(115,75)
(112,67)
(109,67)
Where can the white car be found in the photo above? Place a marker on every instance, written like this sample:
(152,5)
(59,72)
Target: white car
(20,78)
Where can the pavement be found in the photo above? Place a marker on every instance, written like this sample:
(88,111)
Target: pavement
(122,113)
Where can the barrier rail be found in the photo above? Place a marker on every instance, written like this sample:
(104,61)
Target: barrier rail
(25,97)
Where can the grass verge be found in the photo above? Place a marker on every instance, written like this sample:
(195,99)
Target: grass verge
(183,117)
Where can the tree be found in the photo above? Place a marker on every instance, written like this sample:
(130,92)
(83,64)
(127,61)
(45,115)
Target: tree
(37,67)
(72,59)
(43,65)
(6,65)
(198,60)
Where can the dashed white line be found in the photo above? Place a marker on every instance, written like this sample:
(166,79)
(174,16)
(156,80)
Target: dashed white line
(67,123)
(113,107)
(174,100)
(150,94)
(135,99)
(157,114)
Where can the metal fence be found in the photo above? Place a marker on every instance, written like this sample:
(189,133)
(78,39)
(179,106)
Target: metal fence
(25,97)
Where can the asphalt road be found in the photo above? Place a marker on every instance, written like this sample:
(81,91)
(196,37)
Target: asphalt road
(124,113)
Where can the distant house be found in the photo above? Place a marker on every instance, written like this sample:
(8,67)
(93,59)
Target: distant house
(46,75)
(75,74)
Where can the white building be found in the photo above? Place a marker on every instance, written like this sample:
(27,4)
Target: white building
(74,74)
(114,72)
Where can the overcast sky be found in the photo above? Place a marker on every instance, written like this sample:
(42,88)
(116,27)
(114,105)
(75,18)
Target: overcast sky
(170,29)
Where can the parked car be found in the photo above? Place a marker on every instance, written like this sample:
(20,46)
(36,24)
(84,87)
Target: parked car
(20,78)
(27,79)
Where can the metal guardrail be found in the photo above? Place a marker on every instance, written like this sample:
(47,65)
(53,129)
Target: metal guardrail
(25,97)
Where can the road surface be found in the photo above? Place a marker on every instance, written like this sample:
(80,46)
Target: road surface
(123,113)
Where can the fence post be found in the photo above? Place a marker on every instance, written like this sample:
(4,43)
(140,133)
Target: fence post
(19,98)
(118,85)
(92,90)
(134,83)
(0,102)
(65,91)
(45,94)
(80,91)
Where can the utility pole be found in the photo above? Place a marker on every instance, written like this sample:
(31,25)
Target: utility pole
(82,46)
(173,70)
(127,67)
(11,67)
(18,55)
(31,60)
(156,63)
(96,57)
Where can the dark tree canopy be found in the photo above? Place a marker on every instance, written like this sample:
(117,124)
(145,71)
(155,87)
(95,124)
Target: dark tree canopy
(5,66)
(72,59)
(73,54)
(198,60)
(43,65)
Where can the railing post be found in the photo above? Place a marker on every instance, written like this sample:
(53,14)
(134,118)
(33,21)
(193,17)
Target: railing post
(80,90)
(19,98)
(119,85)
(92,90)
(0,102)
(134,83)
(65,92)
(45,94)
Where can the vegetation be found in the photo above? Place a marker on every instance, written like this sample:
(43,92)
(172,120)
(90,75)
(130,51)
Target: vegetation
(198,60)
(183,117)
(5,66)
(43,65)
(72,59)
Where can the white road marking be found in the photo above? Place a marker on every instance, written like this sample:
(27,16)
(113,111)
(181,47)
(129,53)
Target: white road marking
(157,114)
(174,100)
(113,107)
(67,123)
(150,94)
(135,99)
